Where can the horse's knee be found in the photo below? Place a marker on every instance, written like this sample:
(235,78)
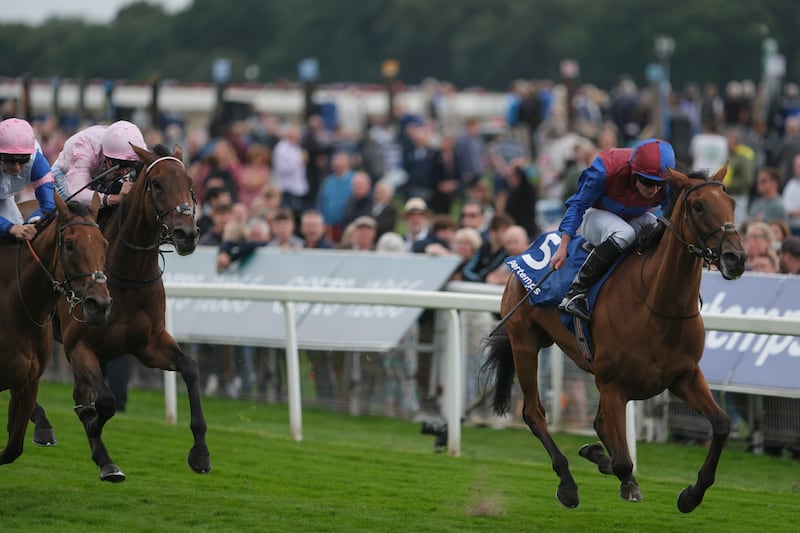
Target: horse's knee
(721,425)
(105,406)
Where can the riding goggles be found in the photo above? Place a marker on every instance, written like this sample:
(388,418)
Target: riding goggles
(647,182)
(11,159)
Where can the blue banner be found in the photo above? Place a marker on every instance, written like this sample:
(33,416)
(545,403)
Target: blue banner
(750,360)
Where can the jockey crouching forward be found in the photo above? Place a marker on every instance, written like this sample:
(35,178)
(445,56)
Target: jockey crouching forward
(22,163)
(92,151)
(612,205)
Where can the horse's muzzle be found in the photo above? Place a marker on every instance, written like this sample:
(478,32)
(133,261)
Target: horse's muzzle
(185,240)
(96,310)
(732,264)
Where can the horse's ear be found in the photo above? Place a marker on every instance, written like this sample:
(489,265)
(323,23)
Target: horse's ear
(94,209)
(143,154)
(61,207)
(177,151)
(679,178)
(720,174)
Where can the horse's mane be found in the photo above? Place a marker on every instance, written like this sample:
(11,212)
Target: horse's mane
(161,150)
(650,236)
(78,208)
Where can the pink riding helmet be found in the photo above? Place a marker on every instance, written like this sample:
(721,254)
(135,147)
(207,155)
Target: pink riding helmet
(16,137)
(119,137)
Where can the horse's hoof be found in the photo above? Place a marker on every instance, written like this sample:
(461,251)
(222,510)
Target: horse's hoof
(112,474)
(200,463)
(596,454)
(44,437)
(604,465)
(629,491)
(568,497)
(685,505)
(588,451)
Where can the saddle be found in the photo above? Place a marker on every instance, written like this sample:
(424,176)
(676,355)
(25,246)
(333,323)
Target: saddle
(534,264)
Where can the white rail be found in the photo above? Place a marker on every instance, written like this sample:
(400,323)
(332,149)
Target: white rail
(450,301)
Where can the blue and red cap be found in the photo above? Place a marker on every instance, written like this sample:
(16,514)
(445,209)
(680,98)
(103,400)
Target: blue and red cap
(651,158)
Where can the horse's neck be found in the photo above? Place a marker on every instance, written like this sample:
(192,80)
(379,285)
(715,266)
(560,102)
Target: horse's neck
(35,286)
(672,277)
(129,231)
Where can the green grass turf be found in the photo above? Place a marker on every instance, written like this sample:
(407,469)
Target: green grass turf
(360,474)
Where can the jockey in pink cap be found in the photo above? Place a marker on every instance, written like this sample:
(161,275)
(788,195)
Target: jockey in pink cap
(615,197)
(22,163)
(93,151)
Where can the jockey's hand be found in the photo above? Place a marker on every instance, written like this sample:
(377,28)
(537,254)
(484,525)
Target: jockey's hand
(560,256)
(23,232)
(126,188)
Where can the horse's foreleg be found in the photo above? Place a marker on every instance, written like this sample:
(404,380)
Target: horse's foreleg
(167,355)
(610,427)
(43,433)
(698,396)
(94,405)
(199,459)
(20,407)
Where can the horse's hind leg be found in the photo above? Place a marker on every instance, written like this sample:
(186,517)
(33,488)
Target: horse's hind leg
(696,394)
(94,405)
(20,406)
(597,454)
(43,433)
(610,427)
(526,346)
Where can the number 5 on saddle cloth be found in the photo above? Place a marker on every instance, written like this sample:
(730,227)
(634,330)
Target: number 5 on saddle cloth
(532,265)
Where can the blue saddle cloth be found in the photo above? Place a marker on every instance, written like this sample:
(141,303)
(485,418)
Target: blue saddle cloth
(534,263)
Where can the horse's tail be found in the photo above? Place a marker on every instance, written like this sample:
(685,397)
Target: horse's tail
(499,365)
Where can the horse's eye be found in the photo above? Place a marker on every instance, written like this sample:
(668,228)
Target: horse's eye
(69,246)
(156,185)
(697,205)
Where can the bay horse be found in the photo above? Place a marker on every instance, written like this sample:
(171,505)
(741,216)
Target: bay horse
(158,210)
(648,336)
(65,262)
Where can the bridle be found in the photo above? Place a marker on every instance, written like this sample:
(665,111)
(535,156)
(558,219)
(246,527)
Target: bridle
(166,235)
(703,251)
(63,287)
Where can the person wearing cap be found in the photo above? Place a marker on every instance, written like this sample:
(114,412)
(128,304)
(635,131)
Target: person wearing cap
(418,234)
(21,164)
(612,205)
(789,257)
(360,234)
(92,151)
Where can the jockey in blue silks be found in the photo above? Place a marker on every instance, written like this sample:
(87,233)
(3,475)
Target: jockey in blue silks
(615,197)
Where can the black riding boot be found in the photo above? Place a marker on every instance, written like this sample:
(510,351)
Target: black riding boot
(596,264)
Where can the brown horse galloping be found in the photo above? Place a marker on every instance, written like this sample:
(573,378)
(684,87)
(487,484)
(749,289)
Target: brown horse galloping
(648,336)
(158,210)
(66,258)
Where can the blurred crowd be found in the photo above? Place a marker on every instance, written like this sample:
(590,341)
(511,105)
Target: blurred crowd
(436,182)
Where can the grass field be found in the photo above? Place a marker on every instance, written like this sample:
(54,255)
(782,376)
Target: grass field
(361,474)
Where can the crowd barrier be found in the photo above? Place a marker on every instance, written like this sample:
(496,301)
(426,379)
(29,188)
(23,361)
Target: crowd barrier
(452,303)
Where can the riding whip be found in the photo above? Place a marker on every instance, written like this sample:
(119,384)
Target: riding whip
(525,297)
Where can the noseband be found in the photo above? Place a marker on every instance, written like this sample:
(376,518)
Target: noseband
(167,233)
(704,252)
(64,287)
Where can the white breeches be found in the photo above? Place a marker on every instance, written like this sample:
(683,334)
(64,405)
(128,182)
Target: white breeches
(599,225)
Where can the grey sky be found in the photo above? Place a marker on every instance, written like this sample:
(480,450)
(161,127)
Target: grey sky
(36,11)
